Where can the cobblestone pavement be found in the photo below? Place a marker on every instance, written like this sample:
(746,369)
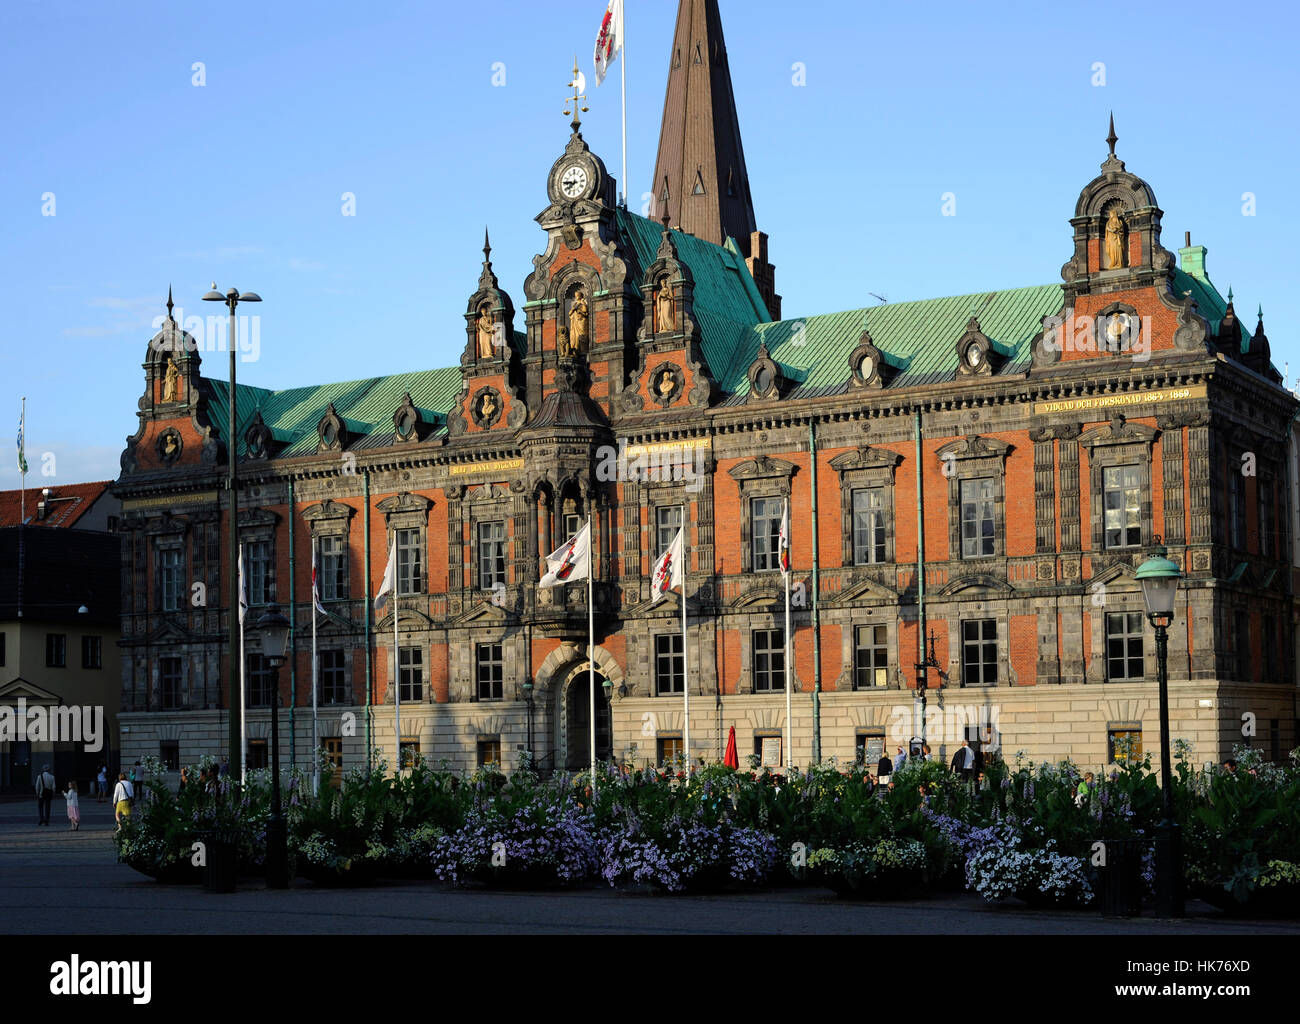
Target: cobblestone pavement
(53,881)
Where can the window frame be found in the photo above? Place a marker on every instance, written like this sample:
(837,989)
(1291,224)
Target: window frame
(495,686)
(975,457)
(261,680)
(879,643)
(171,683)
(770,653)
(413,655)
(56,650)
(866,468)
(765,544)
(759,477)
(1127,542)
(92,651)
(484,745)
(488,576)
(1126,636)
(979,502)
(983,642)
(171,575)
(339,687)
(676,673)
(1123,731)
(409,542)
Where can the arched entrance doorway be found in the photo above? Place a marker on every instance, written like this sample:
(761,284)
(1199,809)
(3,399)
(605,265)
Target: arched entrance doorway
(574,716)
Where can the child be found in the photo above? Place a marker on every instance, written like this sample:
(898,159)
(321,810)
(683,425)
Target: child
(74,807)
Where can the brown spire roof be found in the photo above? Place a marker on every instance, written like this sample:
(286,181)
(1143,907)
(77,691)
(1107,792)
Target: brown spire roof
(701,162)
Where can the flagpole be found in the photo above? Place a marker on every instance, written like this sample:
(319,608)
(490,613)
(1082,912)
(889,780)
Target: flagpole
(623,76)
(22,464)
(243,680)
(397,674)
(786,570)
(315,682)
(686,676)
(591,653)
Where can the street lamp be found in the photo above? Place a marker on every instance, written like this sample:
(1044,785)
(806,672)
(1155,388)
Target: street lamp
(608,687)
(527,688)
(923,682)
(1159,578)
(232,299)
(274,630)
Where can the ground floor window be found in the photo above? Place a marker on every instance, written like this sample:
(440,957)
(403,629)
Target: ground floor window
(868,747)
(257,755)
(169,753)
(489,750)
(1125,744)
(767,748)
(410,753)
(333,747)
(669,750)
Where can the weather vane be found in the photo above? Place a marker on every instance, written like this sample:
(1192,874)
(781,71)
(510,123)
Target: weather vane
(579,87)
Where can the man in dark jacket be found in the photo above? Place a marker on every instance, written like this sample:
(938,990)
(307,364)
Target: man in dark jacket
(44,794)
(884,768)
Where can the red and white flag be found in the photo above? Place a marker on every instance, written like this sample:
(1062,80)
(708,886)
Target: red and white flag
(609,42)
(315,585)
(570,561)
(783,544)
(668,570)
(389,585)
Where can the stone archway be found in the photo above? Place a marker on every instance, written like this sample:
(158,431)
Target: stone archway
(561,675)
(573,719)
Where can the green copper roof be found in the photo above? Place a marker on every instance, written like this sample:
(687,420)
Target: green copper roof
(919,339)
(365,406)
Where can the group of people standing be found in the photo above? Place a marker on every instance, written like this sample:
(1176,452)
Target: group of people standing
(123,797)
(964,761)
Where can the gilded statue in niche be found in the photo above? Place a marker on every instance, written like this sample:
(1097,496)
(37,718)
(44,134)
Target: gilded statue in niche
(578,324)
(664,321)
(486,332)
(1113,255)
(171,382)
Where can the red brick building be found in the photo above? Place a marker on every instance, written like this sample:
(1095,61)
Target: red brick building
(985,469)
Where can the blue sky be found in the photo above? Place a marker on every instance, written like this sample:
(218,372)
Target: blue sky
(158,181)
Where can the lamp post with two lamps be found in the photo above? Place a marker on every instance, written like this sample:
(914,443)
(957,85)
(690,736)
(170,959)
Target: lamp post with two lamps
(232,298)
(274,630)
(1159,578)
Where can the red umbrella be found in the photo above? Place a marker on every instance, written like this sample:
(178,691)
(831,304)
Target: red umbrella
(731,759)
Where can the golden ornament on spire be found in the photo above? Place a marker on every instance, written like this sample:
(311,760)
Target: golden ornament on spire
(578,85)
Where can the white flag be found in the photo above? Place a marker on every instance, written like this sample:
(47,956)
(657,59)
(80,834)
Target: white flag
(315,587)
(570,561)
(668,570)
(783,542)
(609,41)
(243,590)
(389,585)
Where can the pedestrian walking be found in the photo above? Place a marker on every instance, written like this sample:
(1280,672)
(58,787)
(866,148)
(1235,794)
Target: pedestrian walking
(74,806)
(963,761)
(884,768)
(123,794)
(44,795)
(101,793)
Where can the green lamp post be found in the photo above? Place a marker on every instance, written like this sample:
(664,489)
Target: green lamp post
(1159,578)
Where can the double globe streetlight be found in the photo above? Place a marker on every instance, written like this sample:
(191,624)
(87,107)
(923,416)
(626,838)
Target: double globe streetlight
(1159,578)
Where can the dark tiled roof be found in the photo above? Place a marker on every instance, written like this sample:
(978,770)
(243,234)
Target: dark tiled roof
(62,513)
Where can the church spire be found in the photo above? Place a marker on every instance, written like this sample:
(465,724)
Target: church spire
(700,181)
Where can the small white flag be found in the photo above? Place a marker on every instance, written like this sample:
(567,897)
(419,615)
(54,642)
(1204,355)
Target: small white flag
(243,589)
(389,585)
(609,41)
(783,543)
(668,570)
(315,586)
(570,561)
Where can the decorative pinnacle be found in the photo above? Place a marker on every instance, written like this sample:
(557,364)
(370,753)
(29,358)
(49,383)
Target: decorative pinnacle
(577,85)
(1229,294)
(487,246)
(169,303)
(1112,138)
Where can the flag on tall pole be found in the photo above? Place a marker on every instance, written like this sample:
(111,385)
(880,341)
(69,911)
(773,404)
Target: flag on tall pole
(783,558)
(670,572)
(22,439)
(387,589)
(243,669)
(315,675)
(570,561)
(609,44)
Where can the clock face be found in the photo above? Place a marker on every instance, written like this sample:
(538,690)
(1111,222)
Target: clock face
(573,182)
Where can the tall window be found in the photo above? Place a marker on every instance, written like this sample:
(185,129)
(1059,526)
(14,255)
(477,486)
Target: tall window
(769,659)
(1236,505)
(572,524)
(488,671)
(491,554)
(1122,506)
(412,673)
(257,554)
(870,657)
(92,652)
(1268,648)
(410,561)
(668,520)
(765,521)
(977,525)
(332,567)
(1241,642)
(669,674)
(1124,646)
(171,583)
(869,526)
(333,747)
(979,652)
(333,677)
(261,681)
(169,683)
(1264,487)
(56,650)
